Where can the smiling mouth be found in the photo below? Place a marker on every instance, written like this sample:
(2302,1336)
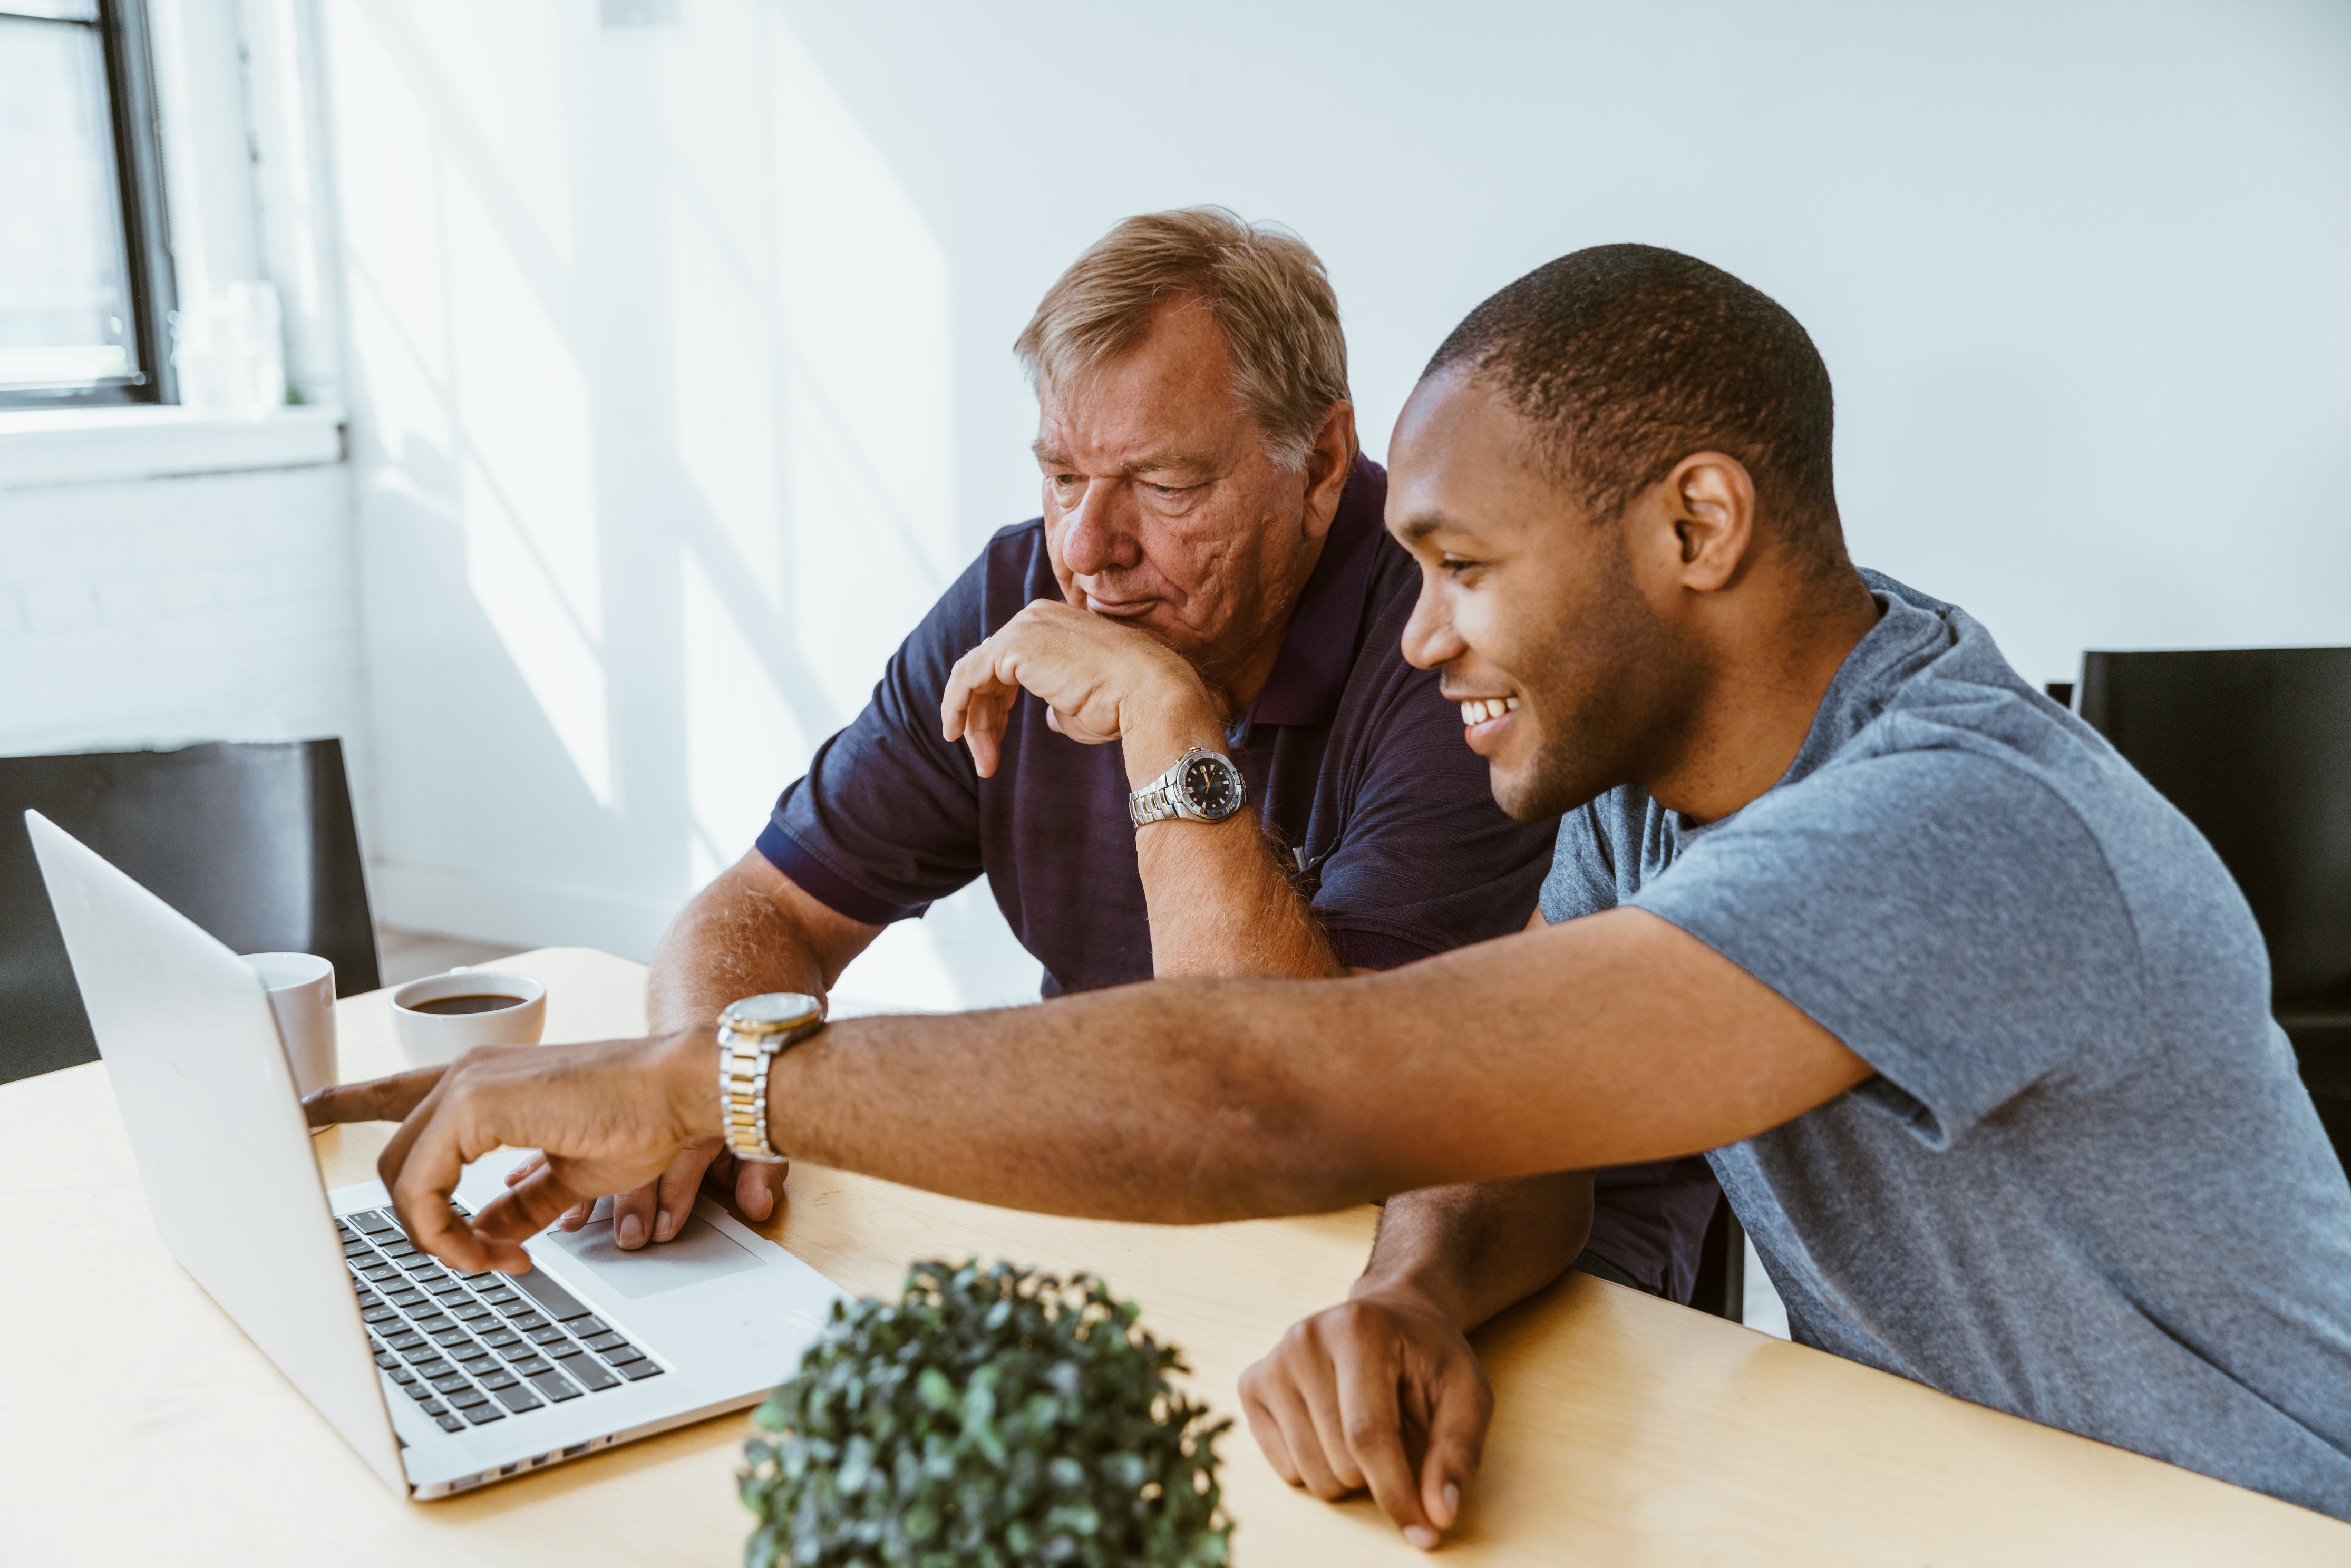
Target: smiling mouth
(1478,710)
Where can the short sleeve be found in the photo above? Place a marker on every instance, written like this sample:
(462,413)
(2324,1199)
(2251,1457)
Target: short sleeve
(887,817)
(1948,918)
(1428,861)
(1582,875)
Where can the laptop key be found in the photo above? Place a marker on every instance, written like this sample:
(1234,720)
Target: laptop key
(386,1360)
(453,1383)
(554,1385)
(432,1408)
(530,1365)
(499,1339)
(401,1376)
(379,1272)
(429,1370)
(408,1340)
(518,1398)
(468,1398)
(485,1413)
(420,1392)
(449,1422)
(638,1371)
(558,1302)
(504,1300)
(375,1222)
(547,1333)
(586,1326)
(607,1341)
(498,1377)
(468,1353)
(446,1287)
(521,1350)
(591,1372)
(451,1337)
(408,1297)
(469,1312)
(626,1352)
(525,1321)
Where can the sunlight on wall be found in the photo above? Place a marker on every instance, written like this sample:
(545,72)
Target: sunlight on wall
(479,406)
(869,404)
(531,543)
(741,739)
(810,382)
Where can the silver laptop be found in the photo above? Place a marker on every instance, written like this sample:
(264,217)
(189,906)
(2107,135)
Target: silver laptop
(442,1382)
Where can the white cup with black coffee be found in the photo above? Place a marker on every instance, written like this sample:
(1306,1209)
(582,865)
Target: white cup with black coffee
(439,1018)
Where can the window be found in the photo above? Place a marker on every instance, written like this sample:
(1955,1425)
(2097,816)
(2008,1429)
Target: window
(85,274)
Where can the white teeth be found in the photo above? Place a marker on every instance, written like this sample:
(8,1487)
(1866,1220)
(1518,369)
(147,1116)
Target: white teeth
(1477,710)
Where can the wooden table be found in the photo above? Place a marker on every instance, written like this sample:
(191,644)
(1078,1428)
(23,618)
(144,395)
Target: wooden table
(138,1423)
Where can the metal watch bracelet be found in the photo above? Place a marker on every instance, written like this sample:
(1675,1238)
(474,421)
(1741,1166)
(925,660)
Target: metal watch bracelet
(743,1059)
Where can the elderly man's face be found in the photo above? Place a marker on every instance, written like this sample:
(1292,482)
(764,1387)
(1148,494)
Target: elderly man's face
(1163,508)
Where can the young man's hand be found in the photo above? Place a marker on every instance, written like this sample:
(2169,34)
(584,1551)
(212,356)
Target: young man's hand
(1381,1391)
(609,1117)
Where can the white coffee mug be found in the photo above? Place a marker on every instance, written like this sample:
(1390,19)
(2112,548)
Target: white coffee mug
(302,994)
(514,1016)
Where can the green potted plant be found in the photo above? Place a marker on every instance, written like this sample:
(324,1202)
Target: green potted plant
(991,1416)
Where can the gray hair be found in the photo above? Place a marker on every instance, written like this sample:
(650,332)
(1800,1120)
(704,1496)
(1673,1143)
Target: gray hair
(1266,288)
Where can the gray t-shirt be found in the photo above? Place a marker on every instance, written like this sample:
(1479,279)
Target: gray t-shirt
(2087,1185)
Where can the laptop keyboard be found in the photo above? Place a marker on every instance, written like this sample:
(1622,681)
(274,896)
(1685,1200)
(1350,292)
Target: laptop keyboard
(477,1348)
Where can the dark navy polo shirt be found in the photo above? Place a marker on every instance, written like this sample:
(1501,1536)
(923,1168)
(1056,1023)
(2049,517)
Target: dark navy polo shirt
(1354,761)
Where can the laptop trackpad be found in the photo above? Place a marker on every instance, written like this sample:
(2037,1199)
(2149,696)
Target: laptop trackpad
(698,1253)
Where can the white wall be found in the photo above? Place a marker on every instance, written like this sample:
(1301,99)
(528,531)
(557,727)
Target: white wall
(138,610)
(681,370)
(161,611)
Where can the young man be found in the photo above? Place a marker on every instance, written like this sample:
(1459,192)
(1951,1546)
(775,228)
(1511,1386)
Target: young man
(1975,1025)
(1209,579)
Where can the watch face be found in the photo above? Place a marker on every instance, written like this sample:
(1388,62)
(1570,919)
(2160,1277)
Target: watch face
(776,1009)
(1212,787)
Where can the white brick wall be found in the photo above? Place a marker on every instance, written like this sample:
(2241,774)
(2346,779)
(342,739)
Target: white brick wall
(159,611)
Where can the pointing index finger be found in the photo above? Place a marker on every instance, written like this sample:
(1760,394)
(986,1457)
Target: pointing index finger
(372,1100)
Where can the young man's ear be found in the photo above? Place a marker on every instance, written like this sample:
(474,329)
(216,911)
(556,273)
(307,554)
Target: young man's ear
(1710,503)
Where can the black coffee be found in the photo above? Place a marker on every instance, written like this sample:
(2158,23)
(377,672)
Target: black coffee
(478,1003)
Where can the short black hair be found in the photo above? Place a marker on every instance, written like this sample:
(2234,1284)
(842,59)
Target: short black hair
(1631,356)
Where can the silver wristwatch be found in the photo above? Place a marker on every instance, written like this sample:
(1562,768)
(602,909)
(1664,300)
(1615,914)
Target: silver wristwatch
(1203,786)
(750,1034)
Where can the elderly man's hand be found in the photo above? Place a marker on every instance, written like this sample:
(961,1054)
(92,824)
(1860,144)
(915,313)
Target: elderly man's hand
(1350,1394)
(608,1117)
(659,1210)
(1097,680)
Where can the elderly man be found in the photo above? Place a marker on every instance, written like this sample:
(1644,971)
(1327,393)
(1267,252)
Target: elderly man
(1209,586)
(1974,1023)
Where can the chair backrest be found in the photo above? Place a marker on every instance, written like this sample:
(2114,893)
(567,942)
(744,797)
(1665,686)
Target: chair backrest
(2254,745)
(253,841)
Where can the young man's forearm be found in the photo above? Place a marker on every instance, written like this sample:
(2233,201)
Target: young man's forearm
(1472,1252)
(1195,1101)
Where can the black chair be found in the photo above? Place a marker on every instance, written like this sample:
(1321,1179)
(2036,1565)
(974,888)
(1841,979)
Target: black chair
(2254,745)
(254,842)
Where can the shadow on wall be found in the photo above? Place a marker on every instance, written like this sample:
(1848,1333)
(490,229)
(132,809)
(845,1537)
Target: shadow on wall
(655,446)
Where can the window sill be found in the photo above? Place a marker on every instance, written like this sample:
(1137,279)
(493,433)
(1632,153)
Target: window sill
(93,446)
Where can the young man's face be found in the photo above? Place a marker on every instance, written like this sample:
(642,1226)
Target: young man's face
(1531,610)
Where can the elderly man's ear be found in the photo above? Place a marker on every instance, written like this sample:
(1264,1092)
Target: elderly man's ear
(1328,463)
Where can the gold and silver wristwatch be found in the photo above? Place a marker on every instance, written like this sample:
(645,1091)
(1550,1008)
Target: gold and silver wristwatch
(1203,786)
(751,1032)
